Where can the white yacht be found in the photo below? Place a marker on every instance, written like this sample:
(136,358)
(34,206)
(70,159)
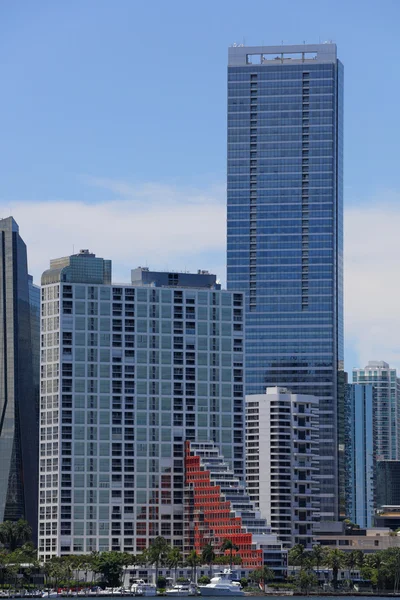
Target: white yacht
(186,588)
(222,584)
(141,588)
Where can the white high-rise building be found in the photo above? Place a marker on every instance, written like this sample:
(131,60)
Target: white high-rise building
(128,373)
(282,462)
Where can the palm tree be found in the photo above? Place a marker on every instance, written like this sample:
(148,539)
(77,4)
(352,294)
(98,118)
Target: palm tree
(297,555)
(318,556)
(77,562)
(94,557)
(142,559)
(157,553)
(174,559)
(229,545)
(193,560)
(67,567)
(263,574)
(208,556)
(335,559)
(15,533)
(352,561)
(3,565)
(86,566)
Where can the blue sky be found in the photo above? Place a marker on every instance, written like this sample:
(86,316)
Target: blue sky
(113,118)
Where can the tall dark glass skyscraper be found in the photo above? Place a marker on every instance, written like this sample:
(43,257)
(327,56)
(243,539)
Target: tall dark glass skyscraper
(285,241)
(19,349)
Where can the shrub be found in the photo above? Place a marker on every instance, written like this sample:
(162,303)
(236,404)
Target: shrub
(161,582)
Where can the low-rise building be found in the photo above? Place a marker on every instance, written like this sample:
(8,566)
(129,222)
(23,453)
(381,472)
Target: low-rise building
(388,516)
(366,540)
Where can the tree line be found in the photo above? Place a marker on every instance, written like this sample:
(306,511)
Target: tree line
(381,568)
(110,566)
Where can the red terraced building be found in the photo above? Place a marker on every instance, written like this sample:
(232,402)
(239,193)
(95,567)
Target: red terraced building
(211,515)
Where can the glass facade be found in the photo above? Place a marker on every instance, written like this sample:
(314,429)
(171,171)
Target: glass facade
(34,304)
(19,343)
(387,483)
(387,407)
(285,237)
(360,454)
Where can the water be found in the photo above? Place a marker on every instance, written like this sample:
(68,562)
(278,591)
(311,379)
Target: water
(313,596)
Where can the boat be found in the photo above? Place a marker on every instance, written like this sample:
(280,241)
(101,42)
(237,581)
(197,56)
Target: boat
(50,594)
(222,584)
(186,588)
(94,591)
(140,588)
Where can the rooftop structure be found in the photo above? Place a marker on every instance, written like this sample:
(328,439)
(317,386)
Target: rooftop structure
(271,56)
(142,276)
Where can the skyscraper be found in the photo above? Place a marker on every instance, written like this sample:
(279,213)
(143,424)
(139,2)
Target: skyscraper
(19,343)
(285,164)
(387,407)
(128,374)
(360,454)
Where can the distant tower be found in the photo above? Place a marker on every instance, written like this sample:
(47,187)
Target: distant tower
(19,344)
(387,407)
(360,453)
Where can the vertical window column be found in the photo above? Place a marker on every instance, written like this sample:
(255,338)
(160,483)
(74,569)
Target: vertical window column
(253,188)
(305,190)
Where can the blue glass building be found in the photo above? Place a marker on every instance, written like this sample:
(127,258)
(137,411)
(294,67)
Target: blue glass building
(285,239)
(19,380)
(360,453)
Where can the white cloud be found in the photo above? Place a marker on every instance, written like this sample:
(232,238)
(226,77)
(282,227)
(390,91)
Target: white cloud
(162,226)
(372,284)
(170,227)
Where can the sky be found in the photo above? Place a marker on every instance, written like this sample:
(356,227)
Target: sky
(113,136)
